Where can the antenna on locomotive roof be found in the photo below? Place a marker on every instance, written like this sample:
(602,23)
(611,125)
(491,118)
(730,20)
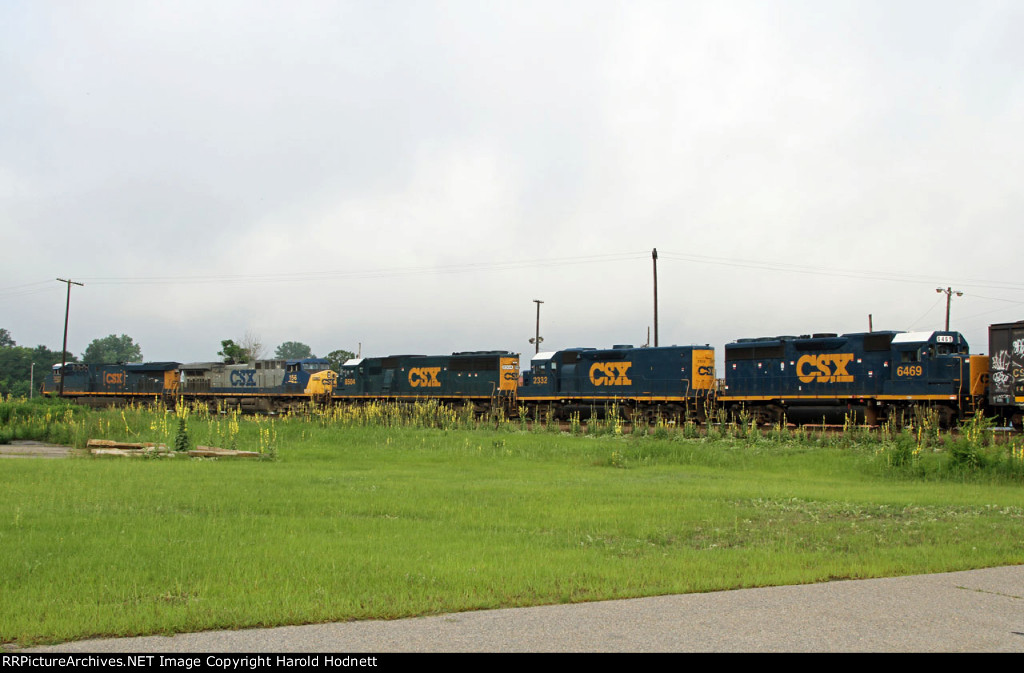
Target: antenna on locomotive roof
(870,327)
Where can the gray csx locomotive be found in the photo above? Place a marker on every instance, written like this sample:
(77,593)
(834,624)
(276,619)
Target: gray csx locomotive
(873,375)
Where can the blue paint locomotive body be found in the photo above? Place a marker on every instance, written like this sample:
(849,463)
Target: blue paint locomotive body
(99,384)
(477,377)
(670,380)
(871,374)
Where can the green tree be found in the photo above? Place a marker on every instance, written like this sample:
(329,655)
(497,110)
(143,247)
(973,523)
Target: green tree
(337,358)
(232,352)
(111,349)
(293,350)
(16,366)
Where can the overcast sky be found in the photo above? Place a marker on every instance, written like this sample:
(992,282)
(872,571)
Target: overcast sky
(410,176)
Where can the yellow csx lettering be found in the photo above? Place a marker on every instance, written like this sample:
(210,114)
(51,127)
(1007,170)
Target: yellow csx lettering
(610,373)
(111,378)
(424,377)
(831,368)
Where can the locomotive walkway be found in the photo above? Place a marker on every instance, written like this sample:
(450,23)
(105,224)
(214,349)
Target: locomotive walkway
(969,611)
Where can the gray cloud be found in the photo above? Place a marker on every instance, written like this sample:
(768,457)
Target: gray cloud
(241,148)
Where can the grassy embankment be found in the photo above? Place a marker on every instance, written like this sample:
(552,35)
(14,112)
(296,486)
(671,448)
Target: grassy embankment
(381,515)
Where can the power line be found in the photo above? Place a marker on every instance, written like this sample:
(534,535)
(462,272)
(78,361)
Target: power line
(306,276)
(832,271)
(39,287)
(27,289)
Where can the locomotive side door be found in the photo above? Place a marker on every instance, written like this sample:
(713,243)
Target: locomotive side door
(910,370)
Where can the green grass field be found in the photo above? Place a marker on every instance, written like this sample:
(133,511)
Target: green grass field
(358,520)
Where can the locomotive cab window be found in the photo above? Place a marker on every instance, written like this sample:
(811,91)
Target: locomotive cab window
(909,356)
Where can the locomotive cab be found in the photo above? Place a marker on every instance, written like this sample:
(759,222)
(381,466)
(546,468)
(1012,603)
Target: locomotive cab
(349,376)
(309,376)
(75,376)
(541,376)
(924,363)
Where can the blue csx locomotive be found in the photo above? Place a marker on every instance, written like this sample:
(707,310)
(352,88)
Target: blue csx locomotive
(873,375)
(644,383)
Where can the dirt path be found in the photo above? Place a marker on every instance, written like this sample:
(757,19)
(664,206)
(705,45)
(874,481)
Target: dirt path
(25,448)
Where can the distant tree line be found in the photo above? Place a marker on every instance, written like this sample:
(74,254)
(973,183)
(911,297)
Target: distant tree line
(250,348)
(18,376)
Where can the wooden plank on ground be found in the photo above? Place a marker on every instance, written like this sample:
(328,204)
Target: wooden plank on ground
(216,452)
(112,444)
(109,447)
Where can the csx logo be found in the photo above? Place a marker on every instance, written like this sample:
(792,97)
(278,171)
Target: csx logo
(111,378)
(424,377)
(610,373)
(244,378)
(705,371)
(824,368)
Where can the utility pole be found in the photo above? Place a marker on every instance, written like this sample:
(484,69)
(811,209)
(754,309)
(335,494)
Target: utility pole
(949,297)
(537,339)
(31,380)
(64,350)
(654,257)
(871,327)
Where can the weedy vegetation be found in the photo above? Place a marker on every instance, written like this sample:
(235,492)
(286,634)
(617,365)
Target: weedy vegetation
(387,511)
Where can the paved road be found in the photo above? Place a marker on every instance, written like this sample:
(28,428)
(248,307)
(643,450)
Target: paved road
(971,611)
